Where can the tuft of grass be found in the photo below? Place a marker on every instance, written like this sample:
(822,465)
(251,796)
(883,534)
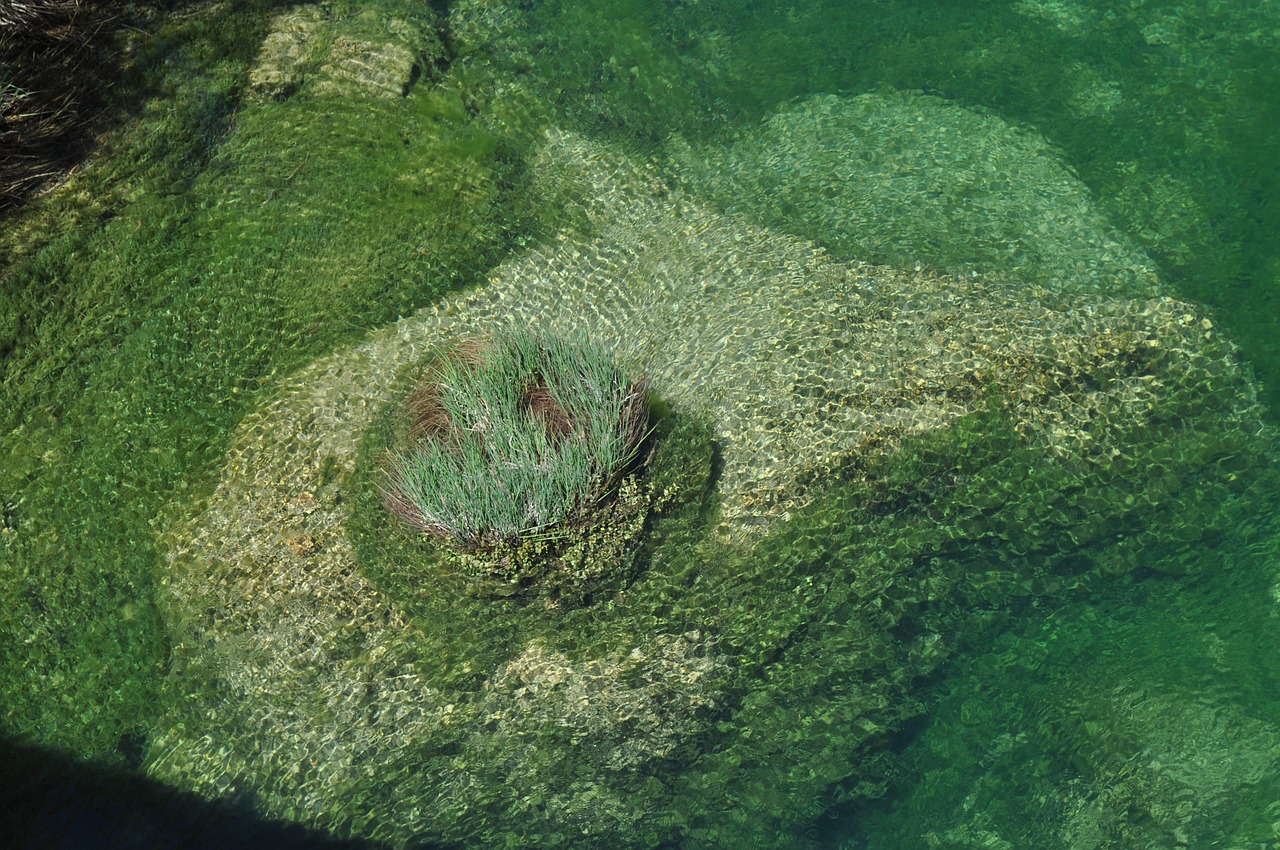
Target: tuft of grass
(516,438)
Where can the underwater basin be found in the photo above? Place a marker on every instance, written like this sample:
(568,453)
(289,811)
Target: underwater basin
(898,459)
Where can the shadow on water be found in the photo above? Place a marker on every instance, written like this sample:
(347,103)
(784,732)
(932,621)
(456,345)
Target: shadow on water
(53,802)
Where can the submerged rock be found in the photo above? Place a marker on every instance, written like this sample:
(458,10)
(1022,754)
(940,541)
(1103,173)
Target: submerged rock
(289,49)
(899,453)
(910,178)
(367,54)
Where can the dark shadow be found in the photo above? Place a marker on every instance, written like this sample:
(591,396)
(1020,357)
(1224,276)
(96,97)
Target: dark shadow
(53,802)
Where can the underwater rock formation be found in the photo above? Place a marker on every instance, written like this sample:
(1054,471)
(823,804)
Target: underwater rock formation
(905,178)
(1140,721)
(899,454)
(367,54)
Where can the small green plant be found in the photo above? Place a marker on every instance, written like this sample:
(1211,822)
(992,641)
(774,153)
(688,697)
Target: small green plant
(522,453)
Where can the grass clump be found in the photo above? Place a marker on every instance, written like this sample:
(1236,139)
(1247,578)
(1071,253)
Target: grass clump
(522,454)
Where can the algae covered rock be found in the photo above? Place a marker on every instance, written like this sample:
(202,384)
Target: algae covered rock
(362,54)
(894,456)
(908,178)
(289,48)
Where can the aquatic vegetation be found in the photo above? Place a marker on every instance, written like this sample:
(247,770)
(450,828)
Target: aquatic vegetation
(1110,714)
(865,470)
(147,301)
(523,453)
(900,459)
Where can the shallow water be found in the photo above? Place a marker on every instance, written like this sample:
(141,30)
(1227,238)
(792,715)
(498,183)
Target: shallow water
(1050,622)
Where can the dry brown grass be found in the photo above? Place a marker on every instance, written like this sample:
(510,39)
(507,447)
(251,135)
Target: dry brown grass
(51,55)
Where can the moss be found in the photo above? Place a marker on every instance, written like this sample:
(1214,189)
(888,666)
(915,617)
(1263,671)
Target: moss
(225,241)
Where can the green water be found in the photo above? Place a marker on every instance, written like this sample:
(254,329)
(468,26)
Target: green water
(1108,678)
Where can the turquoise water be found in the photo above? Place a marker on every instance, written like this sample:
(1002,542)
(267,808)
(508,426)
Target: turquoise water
(1040,613)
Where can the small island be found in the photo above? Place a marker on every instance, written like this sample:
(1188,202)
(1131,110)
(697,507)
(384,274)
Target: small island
(523,456)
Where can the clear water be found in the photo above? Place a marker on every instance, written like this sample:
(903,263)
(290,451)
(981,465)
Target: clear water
(1066,686)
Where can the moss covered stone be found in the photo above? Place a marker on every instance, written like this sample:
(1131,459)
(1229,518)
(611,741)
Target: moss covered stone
(958,189)
(898,458)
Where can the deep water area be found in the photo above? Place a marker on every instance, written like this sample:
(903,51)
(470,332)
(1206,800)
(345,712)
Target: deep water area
(953,520)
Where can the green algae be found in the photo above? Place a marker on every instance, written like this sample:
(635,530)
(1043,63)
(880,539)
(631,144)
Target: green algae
(237,238)
(136,347)
(945,540)
(1165,111)
(1112,714)
(907,179)
(710,677)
